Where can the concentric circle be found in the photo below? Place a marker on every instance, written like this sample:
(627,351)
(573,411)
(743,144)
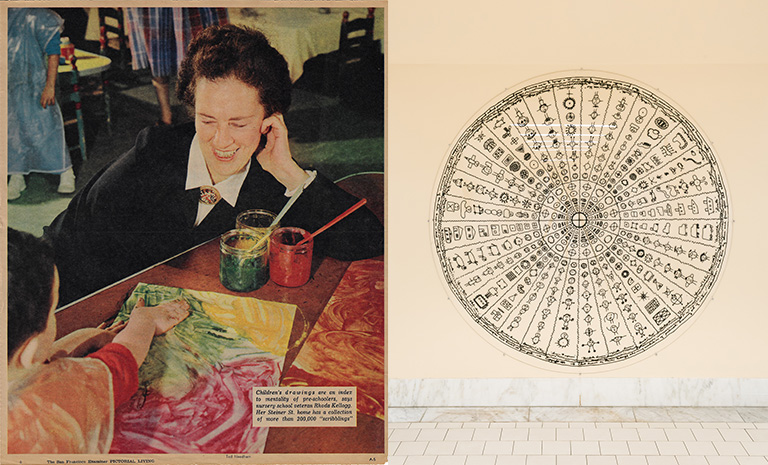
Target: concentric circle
(580,220)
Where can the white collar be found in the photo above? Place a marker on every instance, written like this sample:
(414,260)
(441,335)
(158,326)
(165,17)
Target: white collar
(198,176)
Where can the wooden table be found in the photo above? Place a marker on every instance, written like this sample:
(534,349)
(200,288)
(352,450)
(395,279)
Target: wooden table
(198,269)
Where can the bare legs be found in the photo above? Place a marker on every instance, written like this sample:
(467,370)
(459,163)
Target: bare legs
(162,90)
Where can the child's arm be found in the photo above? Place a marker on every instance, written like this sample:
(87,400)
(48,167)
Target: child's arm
(83,341)
(129,348)
(148,322)
(49,91)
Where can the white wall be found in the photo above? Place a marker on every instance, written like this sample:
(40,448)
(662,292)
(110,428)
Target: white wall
(448,60)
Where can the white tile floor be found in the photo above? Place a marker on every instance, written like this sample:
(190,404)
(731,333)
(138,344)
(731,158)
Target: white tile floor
(578,436)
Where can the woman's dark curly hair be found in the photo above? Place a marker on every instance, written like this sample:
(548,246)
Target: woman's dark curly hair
(234,51)
(30,282)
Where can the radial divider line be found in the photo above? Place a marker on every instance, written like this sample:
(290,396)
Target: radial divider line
(473,270)
(645,155)
(614,299)
(616,140)
(674,285)
(701,244)
(507,190)
(503,295)
(666,255)
(513,153)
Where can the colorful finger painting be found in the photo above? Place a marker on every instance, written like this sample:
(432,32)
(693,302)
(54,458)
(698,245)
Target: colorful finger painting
(346,345)
(195,385)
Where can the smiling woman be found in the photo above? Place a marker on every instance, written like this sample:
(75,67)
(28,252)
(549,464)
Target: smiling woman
(229,120)
(181,186)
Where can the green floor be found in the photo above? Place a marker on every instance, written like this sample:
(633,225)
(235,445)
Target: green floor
(324,135)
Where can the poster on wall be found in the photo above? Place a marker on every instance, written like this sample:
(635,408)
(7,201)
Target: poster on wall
(579,220)
(280,356)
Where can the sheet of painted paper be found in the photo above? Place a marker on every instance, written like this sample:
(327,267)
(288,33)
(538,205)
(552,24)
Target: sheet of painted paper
(346,345)
(195,385)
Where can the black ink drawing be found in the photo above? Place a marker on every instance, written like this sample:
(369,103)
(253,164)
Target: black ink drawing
(581,220)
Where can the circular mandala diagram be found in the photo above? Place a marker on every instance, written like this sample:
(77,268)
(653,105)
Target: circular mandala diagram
(580,220)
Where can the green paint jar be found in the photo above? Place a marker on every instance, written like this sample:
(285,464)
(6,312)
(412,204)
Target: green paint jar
(243,268)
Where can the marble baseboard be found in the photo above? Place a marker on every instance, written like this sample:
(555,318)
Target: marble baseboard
(458,417)
(579,392)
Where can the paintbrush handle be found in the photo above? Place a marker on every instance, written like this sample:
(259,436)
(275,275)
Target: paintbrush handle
(334,221)
(279,216)
(288,204)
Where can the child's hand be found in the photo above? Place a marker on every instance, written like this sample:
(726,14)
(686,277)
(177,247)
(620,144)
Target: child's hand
(49,96)
(148,322)
(163,317)
(114,328)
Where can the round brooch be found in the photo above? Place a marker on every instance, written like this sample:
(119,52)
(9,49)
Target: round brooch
(209,195)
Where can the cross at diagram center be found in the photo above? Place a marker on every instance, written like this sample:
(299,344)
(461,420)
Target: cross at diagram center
(579,219)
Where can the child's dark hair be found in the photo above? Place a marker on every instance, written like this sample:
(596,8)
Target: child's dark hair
(221,52)
(30,282)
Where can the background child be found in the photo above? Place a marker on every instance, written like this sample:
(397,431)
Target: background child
(35,126)
(58,403)
(159,38)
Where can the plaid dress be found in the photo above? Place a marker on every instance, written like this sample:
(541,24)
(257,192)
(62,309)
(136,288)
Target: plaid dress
(159,36)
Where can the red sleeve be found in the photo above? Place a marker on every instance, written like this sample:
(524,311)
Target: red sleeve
(124,369)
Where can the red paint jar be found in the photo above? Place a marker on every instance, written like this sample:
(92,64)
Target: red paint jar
(67,49)
(289,264)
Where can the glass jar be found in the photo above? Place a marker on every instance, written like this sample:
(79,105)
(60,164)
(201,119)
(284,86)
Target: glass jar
(290,264)
(258,220)
(67,49)
(243,268)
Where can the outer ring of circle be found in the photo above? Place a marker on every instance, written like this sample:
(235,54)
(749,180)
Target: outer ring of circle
(661,340)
